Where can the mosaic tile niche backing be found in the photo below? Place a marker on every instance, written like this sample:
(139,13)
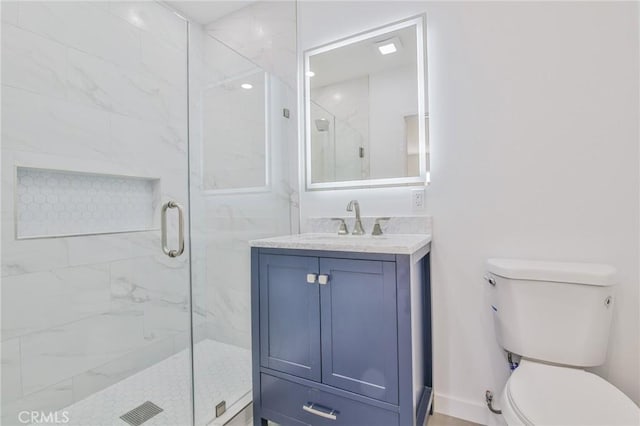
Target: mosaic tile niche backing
(61,203)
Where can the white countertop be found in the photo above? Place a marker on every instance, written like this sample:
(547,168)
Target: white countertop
(387,243)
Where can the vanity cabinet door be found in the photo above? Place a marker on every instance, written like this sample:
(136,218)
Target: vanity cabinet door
(359,327)
(290,315)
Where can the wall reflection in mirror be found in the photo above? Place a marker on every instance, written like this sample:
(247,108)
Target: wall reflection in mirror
(364,96)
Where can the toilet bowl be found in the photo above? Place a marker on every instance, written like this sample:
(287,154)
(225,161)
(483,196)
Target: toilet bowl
(543,394)
(557,317)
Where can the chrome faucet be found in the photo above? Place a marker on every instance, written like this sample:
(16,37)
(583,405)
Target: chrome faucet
(357,229)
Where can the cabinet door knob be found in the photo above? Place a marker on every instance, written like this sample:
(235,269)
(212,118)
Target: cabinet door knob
(311,278)
(323,279)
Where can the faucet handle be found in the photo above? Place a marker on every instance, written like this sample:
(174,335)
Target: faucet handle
(343,230)
(377,229)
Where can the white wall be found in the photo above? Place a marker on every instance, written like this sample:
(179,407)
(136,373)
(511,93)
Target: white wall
(534,147)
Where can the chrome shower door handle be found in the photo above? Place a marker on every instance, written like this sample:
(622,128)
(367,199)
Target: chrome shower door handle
(165,248)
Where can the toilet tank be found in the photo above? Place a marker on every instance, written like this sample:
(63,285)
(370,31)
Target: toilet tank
(552,311)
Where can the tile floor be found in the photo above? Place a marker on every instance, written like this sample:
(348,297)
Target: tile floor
(441,420)
(224,372)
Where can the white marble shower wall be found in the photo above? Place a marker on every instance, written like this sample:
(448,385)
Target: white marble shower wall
(262,37)
(265,33)
(94,87)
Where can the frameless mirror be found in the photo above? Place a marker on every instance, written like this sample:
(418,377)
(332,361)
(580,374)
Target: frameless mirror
(364,97)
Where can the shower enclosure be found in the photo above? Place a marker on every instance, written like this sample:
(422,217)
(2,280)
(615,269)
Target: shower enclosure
(141,152)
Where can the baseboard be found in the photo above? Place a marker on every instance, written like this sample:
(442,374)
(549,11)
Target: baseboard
(463,409)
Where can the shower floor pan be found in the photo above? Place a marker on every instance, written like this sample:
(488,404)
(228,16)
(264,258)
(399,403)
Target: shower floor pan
(223,372)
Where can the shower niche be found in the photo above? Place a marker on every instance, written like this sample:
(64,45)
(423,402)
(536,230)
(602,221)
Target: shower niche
(57,203)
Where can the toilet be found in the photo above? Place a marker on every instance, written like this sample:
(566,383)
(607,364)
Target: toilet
(556,316)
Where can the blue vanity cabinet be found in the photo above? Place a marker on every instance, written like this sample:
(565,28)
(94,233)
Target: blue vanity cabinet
(340,338)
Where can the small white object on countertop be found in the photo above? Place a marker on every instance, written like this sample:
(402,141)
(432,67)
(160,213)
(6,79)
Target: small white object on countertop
(386,244)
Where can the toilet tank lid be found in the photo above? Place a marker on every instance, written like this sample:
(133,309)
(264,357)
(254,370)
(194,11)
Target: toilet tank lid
(564,272)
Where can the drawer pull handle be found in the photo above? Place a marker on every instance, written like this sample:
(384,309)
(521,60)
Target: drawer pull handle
(323,279)
(312,408)
(312,278)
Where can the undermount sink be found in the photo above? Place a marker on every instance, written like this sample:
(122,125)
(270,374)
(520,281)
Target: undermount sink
(387,243)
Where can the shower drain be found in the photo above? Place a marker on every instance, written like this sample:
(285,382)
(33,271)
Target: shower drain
(141,414)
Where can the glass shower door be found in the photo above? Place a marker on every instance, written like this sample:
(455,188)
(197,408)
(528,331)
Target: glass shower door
(243,139)
(96,313)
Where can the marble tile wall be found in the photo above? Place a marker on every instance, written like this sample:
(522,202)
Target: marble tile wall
(80,313)
(264,32)
(395,224)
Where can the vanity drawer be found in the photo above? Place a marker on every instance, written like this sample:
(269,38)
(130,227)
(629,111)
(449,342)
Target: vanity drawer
(322,408)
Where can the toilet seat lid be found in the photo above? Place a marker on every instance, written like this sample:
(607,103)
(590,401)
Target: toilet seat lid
(542,394)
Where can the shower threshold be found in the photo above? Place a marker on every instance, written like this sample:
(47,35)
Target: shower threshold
(222,372)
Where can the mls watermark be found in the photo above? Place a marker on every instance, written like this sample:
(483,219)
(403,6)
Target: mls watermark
(39,417)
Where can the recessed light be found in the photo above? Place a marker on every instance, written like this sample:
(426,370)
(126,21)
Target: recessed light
(246,86)
(310,73)
(385,49)
(388,46)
